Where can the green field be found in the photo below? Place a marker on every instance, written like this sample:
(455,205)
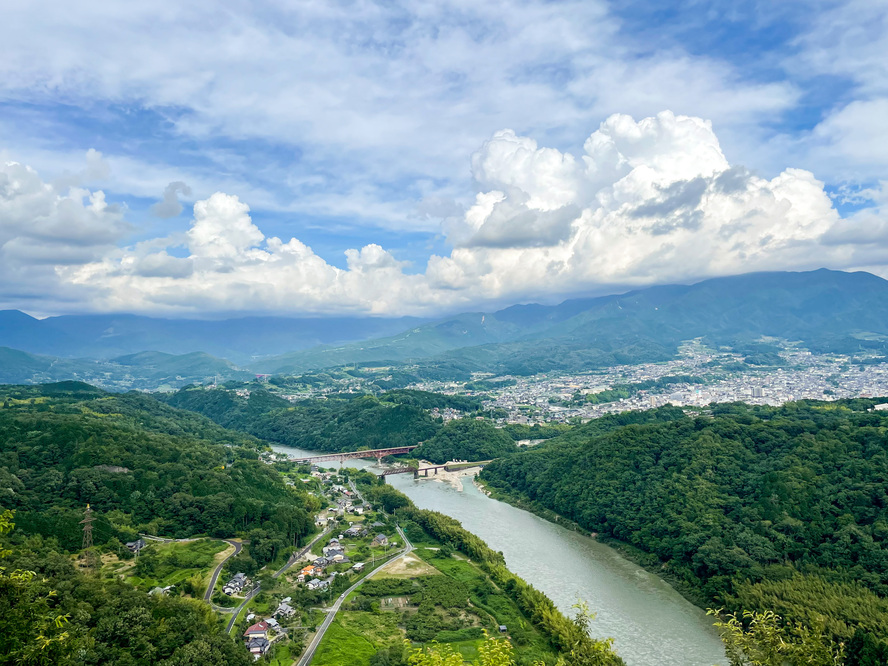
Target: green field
(356,635)
(341,646)
(282,656)
(162,564)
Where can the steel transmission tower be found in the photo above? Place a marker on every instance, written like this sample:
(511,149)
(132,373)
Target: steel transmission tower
(89,555)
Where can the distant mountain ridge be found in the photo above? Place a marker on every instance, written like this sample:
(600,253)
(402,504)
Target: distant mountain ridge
(826,310)
(144,370)
(240,340)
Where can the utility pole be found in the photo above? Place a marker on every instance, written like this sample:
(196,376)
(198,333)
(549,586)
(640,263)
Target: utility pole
(89,556)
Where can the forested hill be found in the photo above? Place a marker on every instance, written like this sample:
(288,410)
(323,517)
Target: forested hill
(753,508)
(337,423)
(143,467)
(825,310)
(466,439)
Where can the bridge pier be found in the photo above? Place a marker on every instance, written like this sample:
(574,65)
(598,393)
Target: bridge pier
(416,474)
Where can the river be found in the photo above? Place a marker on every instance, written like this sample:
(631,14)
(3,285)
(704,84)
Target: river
(651,623)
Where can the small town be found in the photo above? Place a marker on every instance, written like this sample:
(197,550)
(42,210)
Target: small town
(698,377)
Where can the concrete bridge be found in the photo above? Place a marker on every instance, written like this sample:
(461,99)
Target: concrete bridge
(447,467)
(379,454)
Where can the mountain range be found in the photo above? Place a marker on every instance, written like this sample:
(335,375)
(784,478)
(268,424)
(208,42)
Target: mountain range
(824,310)
(241,340)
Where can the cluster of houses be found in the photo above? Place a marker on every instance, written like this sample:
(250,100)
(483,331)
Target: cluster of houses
(256,639)
(357,531)
(342,507)
(271,457)
(333,553)
(237,583)
(256,636)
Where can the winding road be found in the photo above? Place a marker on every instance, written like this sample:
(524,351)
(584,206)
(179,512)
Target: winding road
(215,577)
(293,559)
(308,655)
(252,593)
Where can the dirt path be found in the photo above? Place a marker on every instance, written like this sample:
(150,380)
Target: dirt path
(407,567)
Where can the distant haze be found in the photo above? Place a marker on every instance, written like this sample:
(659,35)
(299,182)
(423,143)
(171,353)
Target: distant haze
(823,310)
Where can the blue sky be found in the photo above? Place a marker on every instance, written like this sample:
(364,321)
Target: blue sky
(380,126)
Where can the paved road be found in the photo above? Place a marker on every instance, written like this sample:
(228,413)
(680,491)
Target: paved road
(252,593)
(308,655)
(295,556)
(151,537)
(237,548)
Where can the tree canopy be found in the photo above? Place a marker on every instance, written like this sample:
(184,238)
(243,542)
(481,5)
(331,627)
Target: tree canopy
(754,508)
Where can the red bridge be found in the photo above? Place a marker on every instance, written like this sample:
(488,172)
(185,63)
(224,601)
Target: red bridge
(379,454)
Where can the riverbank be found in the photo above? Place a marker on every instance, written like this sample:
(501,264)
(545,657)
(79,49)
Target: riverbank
(647,561)
(454,478)
(457,590)
(652,624)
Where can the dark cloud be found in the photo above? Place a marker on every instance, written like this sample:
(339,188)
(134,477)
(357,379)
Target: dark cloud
(683,194)
(690,220)
(735,179)
(169,206)
(513,225)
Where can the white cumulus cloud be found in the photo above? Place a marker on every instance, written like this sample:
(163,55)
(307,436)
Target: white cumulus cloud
(44,226)
(645,202)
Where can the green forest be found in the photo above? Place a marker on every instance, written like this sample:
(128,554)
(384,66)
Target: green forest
(142,466)
(466,439)
(780,509)
(54,615)
(337,423)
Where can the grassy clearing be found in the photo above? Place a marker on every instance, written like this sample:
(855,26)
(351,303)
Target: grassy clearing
(341,646)
(356,635)
(467,649)
(458,569)
(495,603)
(282,656)
(408,566)
(162,564)
(379,629)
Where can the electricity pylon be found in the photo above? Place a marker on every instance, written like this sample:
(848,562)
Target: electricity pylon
(88,553)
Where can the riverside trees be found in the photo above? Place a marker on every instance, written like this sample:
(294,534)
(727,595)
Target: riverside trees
(753,508)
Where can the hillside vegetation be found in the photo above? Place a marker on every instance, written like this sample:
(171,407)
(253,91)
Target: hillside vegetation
(568,639)
(55,615)
(751,508)
(466,439)
(338,423)
(142,466)
(826,310)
